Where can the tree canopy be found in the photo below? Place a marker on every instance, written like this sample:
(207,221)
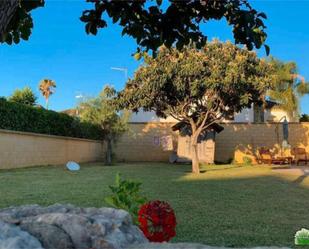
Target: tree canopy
(23,96)
(47,88)
(15,19)
(101,111)
(304,118)
(198,87)
(156,22)
(151,23)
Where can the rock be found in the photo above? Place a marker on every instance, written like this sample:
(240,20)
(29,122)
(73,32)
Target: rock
(50,236)
(77,227)
(66,226)
(12,237)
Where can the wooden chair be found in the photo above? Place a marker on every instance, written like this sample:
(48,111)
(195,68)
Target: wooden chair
(266,157)
(300,155)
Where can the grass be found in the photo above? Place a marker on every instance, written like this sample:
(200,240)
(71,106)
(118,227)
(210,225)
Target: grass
(225,206)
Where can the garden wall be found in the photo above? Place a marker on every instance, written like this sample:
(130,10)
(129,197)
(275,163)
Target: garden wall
(141,142)
(236,141)
(21,149)
(243,139)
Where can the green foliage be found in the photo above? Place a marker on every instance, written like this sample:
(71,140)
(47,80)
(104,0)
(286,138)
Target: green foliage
(197,87)
(102,112)
(247,161)
(126,195)
(21,23)
(304,118)
(151,25)
(19,117)
(188,84)
(302,237)
(178,23)
(24,96)
(287,86)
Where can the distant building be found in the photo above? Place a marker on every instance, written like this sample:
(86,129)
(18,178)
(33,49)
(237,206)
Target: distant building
(256,114)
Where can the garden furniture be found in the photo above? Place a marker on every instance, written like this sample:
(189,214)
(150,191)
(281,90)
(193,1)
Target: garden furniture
(267,157)
(300,155)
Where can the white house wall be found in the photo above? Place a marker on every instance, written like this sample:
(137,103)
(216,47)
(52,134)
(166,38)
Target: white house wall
(245,116)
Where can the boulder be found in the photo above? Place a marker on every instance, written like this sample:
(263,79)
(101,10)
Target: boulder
(12,237)
(67,226)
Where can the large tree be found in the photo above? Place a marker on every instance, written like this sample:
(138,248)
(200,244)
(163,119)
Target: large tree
(151,23)
(102,111)
(288,87)
(197,87)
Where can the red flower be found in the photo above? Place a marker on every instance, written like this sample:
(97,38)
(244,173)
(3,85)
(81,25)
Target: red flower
(157,221)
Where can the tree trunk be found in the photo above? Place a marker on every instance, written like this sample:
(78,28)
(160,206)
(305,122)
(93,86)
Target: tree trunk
(194,155)
(109,152)
(7,11)
(47,103)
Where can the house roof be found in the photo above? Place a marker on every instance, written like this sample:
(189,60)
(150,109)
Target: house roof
(270,104)
(71,112)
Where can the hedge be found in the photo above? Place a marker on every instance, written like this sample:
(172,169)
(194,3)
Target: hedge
(19,117)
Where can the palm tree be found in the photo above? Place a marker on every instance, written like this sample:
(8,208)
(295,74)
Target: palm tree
(46,87)
(287,87)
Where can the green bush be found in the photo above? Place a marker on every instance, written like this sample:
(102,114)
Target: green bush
(18,117)
(247,160)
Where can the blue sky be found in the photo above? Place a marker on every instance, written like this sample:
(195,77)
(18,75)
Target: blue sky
(60,50)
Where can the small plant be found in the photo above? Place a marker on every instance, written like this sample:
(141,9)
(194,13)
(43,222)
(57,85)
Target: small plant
(157,220)
(247,161)
(302,237)
(126,195)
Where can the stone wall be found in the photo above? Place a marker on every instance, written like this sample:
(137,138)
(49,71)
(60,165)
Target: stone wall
(20,149)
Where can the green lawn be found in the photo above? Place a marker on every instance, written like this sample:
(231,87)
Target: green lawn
(226,205)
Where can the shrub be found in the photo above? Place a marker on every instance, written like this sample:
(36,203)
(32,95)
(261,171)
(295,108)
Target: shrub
(157,221)
(302,237)
(126,195)
(304,118)
(247,160)
(19,117)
